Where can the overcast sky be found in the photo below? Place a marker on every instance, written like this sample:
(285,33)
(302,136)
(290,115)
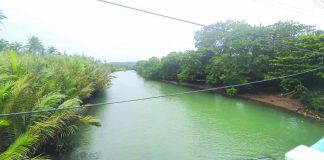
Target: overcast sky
(112,33)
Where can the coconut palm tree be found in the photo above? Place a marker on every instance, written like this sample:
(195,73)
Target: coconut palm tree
(16,46)
(34,45)
(3,45)
(51,50)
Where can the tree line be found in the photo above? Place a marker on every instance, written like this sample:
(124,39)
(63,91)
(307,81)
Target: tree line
(34,45)
(235,52)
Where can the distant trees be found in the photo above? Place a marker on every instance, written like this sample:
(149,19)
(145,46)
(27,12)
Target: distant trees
(34,46)
(191,68)
(234,52)
(3,44)
(149,69)
(170,66)
(51,50)
(16,46)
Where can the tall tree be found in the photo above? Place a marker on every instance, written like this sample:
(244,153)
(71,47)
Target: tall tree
(16,46)
(35,45)
(150,69)
(234,52)
(170,66)
(51,50)
(191,67)
(3,45)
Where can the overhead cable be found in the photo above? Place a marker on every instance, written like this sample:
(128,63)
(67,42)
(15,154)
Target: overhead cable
(152,13)
(319,4)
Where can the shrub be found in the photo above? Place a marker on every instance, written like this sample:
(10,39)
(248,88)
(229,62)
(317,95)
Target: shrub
(231,91)
(289,84)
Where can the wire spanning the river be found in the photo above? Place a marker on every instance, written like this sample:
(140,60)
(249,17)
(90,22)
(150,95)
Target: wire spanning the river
(159,96)
(185,21)
(153,13)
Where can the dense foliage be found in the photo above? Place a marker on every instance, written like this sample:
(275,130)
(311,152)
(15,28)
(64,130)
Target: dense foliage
(32,78)
(234,52)
(31,81)
(121,66)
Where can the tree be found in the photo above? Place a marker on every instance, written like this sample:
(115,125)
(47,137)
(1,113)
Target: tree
(34,45)
(16,46)
(51,50)
(234,52)
(290,29)
(294,60)
(152,67)
(149,69)
(3,45)
(170,66)
(191,67)
(216,35)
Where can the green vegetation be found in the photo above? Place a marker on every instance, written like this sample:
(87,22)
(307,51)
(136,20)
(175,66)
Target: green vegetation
(234,52)
(121,66)
(32,79)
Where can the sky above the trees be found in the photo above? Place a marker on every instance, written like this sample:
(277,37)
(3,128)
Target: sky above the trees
(111,33)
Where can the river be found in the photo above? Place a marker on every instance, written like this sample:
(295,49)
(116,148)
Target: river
(199,126)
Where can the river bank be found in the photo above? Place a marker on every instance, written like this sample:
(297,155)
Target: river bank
(273,99)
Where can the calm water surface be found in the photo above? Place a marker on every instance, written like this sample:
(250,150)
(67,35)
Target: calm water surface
(200,126)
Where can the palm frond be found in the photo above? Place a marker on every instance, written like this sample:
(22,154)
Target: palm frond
(69,130)
(13,62)
(4,123)
(20,149)
(40,157)
(70,103)
(88,120)
(6,77)
(33,82)
(48,101)
(19,88)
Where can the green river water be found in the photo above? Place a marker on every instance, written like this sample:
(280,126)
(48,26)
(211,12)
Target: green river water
(199,126)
